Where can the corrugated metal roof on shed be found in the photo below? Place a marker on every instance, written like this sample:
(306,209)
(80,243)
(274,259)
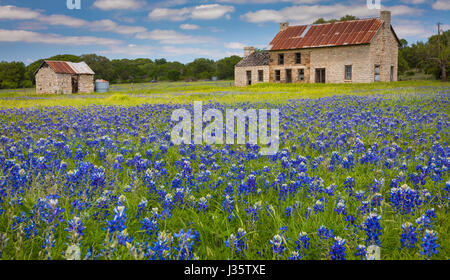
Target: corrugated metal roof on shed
(64,67)
(354,32)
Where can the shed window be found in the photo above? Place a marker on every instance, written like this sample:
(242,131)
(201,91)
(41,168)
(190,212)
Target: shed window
(348,72)
(301,74)
(277,75)
(281,59)
(260,75)
(298,58)
(377,73)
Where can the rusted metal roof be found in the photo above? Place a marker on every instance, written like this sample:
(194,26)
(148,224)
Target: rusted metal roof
(64,67)
(353,32)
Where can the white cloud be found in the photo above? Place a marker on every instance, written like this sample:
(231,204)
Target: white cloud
(235,46)
(213,11)
(305,14)
(63,20)
(412,28)
(188,26)
(34,37)
(132,50)
(441,5)
(118,4)
(15,13)
(202,12)
(269,1)
(414,2)
(171,37)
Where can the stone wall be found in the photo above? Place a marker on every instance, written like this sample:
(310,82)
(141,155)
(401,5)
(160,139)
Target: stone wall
(384,52)
(240,74)
(334,59)
(47,81)
(290,63)
(86,83)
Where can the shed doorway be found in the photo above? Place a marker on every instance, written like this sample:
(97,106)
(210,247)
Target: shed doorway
(320,76)
(288,76)
(75,82)
(249,78)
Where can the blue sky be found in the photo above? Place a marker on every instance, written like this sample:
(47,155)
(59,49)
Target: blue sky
(182,30)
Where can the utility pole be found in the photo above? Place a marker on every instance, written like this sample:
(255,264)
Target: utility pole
(442,62)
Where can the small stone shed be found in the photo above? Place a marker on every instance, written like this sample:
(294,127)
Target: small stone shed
(64,77)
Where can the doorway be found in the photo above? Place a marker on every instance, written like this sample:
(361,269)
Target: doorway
(75,81)
(249,78)
(320,76)
(288,76)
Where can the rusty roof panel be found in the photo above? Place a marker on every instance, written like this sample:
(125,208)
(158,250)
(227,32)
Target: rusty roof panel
(64,67)
(352,32)
(60,67)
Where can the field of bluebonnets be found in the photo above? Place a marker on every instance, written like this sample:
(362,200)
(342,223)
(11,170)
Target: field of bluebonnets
(105,182)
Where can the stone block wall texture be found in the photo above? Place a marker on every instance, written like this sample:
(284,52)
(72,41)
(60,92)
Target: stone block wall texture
(240,74)
(384,52)
(290,63)
(47,81)
(86,83)
(334,59)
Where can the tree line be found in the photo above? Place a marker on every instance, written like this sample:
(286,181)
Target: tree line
(18,75)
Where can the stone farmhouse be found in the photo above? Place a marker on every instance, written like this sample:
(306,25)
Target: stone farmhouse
(355,51)
(64,77)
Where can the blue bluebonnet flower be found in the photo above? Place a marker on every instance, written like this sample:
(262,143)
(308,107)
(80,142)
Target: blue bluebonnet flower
(252,211)
(349,185)
(278,245)
(117,224)
(424,222)
(372,227)
(408,236)
(75,230)
(337,251)
(295,256)
(404,199)
(361,251)
(302,242)
(203,204)
(238,242)
(341,207)
(429,244)
(186,243)
(318,206)
(142,208)
(324,233)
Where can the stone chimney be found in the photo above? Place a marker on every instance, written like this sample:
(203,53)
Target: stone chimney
(248,51)
(284,25)
(385,16)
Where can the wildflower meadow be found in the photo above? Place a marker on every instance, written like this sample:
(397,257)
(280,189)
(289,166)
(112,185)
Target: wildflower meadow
(353,173)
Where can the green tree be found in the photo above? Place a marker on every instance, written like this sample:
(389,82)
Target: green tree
(203,68)
(225,67)
(13,75)
(174,75)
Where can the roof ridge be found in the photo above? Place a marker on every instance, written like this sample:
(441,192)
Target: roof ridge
(339,21)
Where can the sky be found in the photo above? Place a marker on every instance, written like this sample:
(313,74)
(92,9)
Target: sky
(182,30)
